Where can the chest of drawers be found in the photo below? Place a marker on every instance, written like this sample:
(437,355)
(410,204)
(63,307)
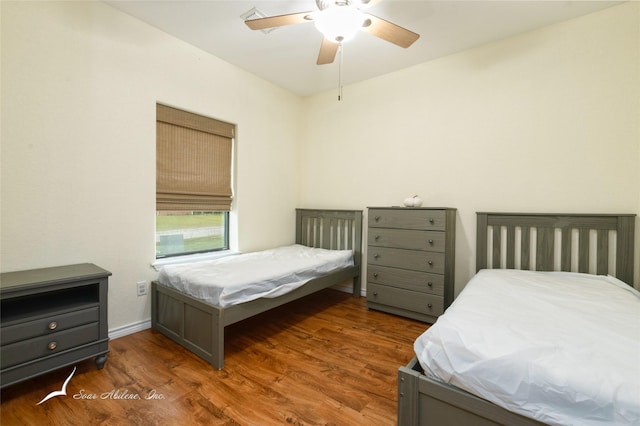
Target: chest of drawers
(50,318)
(411,261)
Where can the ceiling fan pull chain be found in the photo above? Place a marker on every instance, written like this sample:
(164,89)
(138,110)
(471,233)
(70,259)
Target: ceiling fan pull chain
(340,46)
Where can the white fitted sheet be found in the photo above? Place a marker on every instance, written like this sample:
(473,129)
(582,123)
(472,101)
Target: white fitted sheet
(244,277)
(560,347)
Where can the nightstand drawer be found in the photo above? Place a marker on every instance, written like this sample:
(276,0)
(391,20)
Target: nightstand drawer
(420,219)
(48,326)
(424,261)
(405,299)
(407,239)
(423,282)
(39,347)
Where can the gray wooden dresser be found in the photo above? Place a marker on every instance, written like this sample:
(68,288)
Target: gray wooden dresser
(411,260)
(50,318)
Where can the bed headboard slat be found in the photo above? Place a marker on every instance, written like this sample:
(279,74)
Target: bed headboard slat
(511,246)
(603,247)
(525,254)
(565,250)
(566,242)
(583,247)
(545,252)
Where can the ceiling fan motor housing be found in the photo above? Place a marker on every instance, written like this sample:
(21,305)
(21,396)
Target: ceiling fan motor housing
(339,23)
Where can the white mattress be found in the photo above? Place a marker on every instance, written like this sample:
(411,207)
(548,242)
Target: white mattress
(241,278)
(562,348)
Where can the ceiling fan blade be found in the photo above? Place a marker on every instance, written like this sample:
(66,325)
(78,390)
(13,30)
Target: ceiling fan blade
(328,52)
(389,31)
(278,21)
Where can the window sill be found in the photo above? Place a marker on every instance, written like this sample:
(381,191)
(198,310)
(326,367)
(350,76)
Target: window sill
(176,260)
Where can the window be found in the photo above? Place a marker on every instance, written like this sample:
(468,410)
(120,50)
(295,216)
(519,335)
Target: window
(193,182)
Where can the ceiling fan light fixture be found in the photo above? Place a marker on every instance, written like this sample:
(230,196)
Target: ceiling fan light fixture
(339,23)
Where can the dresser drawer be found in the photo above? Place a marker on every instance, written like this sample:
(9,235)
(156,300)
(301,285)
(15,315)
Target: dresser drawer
(424,261)
(423,282)
(48,326)
(419,219)
(39,347)
(407,239)
(405,299)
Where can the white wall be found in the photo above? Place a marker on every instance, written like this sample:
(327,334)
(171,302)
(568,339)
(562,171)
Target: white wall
(544,122)
(80,81)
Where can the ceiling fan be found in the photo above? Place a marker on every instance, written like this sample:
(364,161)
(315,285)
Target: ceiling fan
(339,20)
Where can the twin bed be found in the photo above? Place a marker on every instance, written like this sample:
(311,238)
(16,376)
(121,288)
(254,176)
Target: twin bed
(193,303)
(525,345)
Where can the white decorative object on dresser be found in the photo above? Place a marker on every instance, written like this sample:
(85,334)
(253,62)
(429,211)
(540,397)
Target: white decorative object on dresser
(411,261)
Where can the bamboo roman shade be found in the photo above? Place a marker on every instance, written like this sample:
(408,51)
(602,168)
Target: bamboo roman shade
(193,161)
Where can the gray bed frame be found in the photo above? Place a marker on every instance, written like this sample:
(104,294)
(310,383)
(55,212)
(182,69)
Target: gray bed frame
(199,326)
(589,243)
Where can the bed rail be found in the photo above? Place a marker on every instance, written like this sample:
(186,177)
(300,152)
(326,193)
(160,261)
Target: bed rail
(588,243)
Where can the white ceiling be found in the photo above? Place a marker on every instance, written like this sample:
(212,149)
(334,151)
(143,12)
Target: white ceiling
(287,55)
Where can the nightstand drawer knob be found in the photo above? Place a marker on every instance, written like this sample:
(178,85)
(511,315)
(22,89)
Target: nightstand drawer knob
(429,305)
(377,218)
(375,293)
(431,242)
(375,275)
(430,220)
(430,284)
(375,256)
(52,345)
(430,262)
(377,237)
(53,325)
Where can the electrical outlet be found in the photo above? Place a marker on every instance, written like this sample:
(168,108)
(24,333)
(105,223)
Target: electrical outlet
(142,288)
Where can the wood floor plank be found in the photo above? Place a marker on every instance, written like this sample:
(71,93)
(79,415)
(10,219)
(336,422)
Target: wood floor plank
(322,360)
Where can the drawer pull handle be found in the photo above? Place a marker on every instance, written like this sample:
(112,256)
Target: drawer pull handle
(431,220)
(375,293)
(377,218)
(430,262)
(375,256)
(431,242)
(53,325)
(377,237)
(429,305)
(375,275)
(430,284)
(52,345)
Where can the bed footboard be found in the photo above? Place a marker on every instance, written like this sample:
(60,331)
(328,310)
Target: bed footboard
(424,402)
(189,322)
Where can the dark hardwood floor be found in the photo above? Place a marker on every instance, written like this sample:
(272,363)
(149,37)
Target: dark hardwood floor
(322,360)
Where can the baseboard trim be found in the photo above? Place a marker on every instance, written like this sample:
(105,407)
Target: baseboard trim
(129,329)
